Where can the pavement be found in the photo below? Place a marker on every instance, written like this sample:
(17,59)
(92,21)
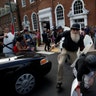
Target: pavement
(40,49)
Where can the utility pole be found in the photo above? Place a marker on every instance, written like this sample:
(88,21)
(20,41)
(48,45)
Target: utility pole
(12,18)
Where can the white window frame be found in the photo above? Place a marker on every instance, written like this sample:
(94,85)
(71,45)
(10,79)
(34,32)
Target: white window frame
(62,20)
(82,15)
(78,6)
(26,22)
(23,2)
(32,1)
(33,21)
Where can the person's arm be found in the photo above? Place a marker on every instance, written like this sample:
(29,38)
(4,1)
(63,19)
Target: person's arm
(78,89)
(3,36)
(59,37)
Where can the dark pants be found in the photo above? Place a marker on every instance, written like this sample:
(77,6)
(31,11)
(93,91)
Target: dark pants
(47,45)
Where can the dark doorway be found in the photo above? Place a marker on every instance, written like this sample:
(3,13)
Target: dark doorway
(46,25)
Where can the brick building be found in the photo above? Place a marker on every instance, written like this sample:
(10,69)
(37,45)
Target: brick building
(6,16)
(40,14)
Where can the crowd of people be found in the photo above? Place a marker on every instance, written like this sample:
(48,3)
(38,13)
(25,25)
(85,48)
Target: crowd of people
(74,40)
(18,42)
(70,42)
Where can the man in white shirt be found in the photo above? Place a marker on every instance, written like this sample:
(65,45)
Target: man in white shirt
(87,40)
(7,41)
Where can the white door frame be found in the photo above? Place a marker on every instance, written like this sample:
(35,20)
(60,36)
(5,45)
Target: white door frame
(45,15)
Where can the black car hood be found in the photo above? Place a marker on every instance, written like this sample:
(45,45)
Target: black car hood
(24,55)
(29,54)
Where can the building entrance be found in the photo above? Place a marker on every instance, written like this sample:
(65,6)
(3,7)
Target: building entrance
(45,25)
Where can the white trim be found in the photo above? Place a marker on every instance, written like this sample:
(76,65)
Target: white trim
(32,20)
(45,15)
(23,3)
(73,16)
(25,24)
(63,20)
(32,1)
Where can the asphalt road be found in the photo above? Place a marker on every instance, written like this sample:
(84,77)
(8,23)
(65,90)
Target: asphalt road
(47,87)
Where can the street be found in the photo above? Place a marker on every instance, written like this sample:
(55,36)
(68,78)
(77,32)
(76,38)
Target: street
(47,87)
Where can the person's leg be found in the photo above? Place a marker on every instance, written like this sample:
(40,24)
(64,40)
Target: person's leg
(49,46)
(73,56)
(45,47)
(61,61)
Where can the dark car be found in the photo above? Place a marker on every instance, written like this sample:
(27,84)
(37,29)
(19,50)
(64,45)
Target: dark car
(20,73)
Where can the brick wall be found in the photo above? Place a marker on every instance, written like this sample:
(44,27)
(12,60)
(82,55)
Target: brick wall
(41,4)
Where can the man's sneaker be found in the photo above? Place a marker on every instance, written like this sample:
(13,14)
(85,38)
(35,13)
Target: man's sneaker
(59,85)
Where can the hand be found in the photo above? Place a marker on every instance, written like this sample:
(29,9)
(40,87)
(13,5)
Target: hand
(78,89)
(91,81)
(32,49)
(52,47)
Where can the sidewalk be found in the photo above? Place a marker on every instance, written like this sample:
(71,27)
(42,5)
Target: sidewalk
(41,48)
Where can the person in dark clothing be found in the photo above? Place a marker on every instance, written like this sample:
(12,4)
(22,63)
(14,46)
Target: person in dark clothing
(87,30)
(44,36)
(71,44)
(55,32)
(86,70)
(46,40)
(85,65)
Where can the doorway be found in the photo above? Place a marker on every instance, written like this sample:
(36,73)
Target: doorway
(45,25)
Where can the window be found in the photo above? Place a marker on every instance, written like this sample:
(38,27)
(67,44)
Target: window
(3,11)
(59,12)
(26,19)
(35,22)
(32,1)
(78,7)
(80,21)
(23,3)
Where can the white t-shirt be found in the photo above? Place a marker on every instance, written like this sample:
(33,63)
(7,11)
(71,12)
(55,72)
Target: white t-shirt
(87,40)
(7,41)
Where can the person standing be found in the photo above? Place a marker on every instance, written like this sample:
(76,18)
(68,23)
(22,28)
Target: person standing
(8,42)
(59,32)
(71,44)
(46,40)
